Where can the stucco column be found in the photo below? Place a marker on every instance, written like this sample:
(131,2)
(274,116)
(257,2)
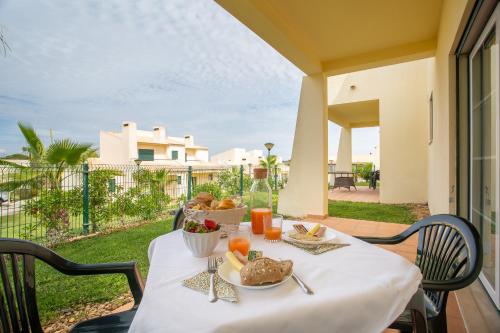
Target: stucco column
(306,192)
(344,153)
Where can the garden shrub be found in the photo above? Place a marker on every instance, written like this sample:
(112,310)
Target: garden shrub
(212,187)
(365,171)
(229,181)
(53,208)
(100,198)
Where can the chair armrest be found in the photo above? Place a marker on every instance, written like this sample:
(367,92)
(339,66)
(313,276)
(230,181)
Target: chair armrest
(130,270)
(392,239)
(382,240)
(32,250)
(448,285)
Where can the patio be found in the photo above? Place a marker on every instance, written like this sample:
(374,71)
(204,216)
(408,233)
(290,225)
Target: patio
(363,194)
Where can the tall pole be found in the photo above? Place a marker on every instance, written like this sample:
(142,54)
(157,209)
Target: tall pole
(269,146)
(85,174)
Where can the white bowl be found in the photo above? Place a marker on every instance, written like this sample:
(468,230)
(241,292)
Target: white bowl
(201,245)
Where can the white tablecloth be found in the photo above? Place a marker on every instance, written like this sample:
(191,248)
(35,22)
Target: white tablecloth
(358,288)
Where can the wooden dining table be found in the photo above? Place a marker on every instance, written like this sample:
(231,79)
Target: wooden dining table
(357,288)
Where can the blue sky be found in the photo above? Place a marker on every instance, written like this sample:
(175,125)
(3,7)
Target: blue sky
(78,67)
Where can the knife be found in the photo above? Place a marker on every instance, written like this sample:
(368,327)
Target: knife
(302,285)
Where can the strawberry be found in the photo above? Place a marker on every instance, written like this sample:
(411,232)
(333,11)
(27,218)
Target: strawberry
(210,224)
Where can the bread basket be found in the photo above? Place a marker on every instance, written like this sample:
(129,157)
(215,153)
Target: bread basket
(223,216)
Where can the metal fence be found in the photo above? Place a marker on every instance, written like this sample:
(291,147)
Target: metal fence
(50,205)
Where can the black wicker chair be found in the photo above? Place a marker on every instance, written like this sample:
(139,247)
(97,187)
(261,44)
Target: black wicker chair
(178,220)
(449,255)
(18,306)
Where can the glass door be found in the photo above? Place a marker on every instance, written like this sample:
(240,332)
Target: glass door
(485,150)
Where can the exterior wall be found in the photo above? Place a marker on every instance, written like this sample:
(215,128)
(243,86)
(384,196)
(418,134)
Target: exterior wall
(112,148)
(160,151)
(181,152)
(201,155)
(129,136)
(403,111)
(231,157)
(441,151)
(235,156)
(344,153)
(306,192)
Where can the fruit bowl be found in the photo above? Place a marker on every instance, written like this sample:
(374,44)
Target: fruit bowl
(201,244)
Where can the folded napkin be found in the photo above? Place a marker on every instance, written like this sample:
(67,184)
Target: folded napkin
(201,282)
(316,248)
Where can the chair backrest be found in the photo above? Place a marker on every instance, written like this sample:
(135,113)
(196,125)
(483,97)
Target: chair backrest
(18,306)
(178,219)
(449,255)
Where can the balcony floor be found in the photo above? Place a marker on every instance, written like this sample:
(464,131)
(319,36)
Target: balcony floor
(363,194)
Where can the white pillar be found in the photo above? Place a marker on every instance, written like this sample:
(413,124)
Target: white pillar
(344,153)
(306,192)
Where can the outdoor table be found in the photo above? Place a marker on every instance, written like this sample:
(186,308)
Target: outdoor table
(357,288)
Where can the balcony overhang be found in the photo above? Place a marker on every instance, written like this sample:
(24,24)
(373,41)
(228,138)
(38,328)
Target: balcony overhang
(355,114)
(336,37)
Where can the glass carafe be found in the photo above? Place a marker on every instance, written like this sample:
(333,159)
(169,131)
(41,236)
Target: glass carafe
(261,200)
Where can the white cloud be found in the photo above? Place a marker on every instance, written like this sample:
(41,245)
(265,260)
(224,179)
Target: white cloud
(81,66)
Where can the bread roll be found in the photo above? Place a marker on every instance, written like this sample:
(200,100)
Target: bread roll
(205,198)
(226,204)
(265,270)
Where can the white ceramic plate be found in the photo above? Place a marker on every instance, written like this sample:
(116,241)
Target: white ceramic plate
(328,237)
(230,275)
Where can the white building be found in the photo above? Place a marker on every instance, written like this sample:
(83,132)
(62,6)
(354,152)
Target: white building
(239,156)
(151,147)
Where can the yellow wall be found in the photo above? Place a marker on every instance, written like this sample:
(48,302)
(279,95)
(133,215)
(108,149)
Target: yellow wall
(306,192)
(344,152)
(441,151)
(402,92)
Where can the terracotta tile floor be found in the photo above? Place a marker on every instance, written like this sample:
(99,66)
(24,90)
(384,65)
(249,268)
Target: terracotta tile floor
(408,249)
(363,194)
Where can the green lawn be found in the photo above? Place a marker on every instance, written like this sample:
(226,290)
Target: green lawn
(365,183)
(18,226)
(56,291)
(371,211)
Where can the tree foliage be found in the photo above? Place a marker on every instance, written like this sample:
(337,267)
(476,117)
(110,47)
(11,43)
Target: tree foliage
(365,171)
(46,164)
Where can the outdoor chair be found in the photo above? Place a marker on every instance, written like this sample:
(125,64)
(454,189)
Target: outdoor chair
(18,306)
(178,219)
(344,179)
(449,255)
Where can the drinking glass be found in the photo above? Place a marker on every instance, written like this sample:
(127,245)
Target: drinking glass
(273,227)
(239,239)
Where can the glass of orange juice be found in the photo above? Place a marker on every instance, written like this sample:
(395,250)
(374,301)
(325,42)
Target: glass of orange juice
(272,227)
(257,216)
(239,239)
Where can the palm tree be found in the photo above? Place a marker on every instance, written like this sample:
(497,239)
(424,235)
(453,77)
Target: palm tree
(3,42)
(158,180)
(269,162)
(46,164)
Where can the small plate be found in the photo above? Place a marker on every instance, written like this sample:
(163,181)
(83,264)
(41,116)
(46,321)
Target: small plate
(328,237)
(229,274)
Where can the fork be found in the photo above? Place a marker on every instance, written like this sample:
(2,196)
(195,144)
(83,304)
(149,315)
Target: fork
(212,268)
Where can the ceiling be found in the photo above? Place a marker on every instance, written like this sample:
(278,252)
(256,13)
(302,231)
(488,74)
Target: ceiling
(355,114)
(337,36)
